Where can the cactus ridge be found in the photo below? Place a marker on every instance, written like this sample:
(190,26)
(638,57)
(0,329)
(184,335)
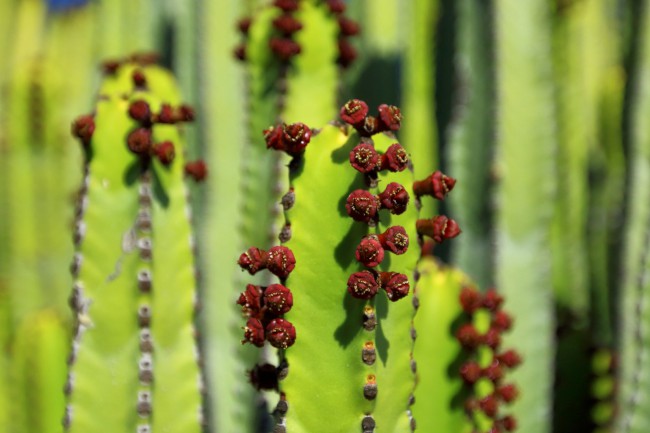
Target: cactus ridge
(134,311)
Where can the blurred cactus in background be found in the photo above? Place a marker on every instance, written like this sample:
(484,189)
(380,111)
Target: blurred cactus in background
(535,110)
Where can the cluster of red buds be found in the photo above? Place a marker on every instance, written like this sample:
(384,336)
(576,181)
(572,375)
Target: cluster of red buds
(471,371)
(265,306)
(355,113)
(292,139)
(347,29)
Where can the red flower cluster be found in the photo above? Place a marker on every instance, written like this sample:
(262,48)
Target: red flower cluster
(355,113)
(471,371)
(292,139)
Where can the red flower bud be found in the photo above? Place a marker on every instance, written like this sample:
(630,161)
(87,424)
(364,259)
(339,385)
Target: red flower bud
(254,333)
(280,261)
(510,358)
(501,320)
(493,372)
(286,5)
(273,137)
(197,170)
(437,185)
(395,240)
(363,285)
(164,152)
(396,285)
(390,117)
(470,372)
(364,158)
(395,159)
(347,53)
(139,141)
(244,24)
(438,228)
(370,252)
(295,138)
(508,393)
(287,24)
(278,299)
(336,6)
(395,198)
(140,111)
(284,48)
(166,114)
(470,299)
(492,338)
(280,333)
(348,27)
(489,405)
(185,113)
(354,112)
(492,300)
(83,128)
(139,79)
(508,423)
(361,205)
(253,260)
(240,52)
(468,336)
(250,300)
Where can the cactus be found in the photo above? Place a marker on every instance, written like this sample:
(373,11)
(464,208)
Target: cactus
(134,289)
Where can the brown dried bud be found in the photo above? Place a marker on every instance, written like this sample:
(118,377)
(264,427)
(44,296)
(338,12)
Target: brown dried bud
(395,159)
(363,285)
(287,24)
(295,137)
(438,228)
(165,152)
(285,49)
(354,112)
(278,299)
(437,185)
(501,321)
(370,252)
(470,372)
(390,117)
(395,240)
(250,300)
(492,300)
(280,261)
(361,205)
(396,285)
(510,358)
(508,393)
(254,332)
(198,170)
(83,127)
(139,141)
(348,27)
(470,299)
(394,198)
(280,333)
(468,336)
(140,111)
(253,260)
(364,158)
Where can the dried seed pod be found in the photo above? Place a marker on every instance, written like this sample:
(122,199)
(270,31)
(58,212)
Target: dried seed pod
(254,332)
(394,198)
(362,206)
(438,228)
(370,252)
(501,321)
(370,388)
(280,261)
(368,353)
(396,285)
(280,333)
(354,112)
(395,240)
(278,299)
(437,185)
(284,48)
(364,158)
(363,285)
(395,159)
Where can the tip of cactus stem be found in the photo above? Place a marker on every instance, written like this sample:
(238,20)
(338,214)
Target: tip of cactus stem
(286,5)
(394,198)
(280,333)
(278,299)
(140,111)
(395,159)
(139,141)
(165,152)
(83,128)
(348,27)
(280,261)
(396,285)
(347,53)
(284,48)
(470,372)
(364,158)
(197,170)
(362,206)
(370,252)
(395,240)
(438,228)
(264,377)
(354,112)
(390,117)
(287,24)
(254,333)
(363,285)
(437,185)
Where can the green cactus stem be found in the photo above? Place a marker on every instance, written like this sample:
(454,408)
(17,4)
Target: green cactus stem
(134,289)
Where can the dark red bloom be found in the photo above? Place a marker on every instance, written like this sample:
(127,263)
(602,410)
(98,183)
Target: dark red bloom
(509,358)
(494,372)
(166,114)
(390,117)
(347,53)
(361,205)
(165,152)
(395,159)
(364,158)
(470,372)
(253,260)
(250,300)
(83,127)
(336,6)
(284,48)
(395,240)
(278,299)
(348,27)
(437,185)
(508,423)
(396,285)
(280,261)
(501,320)
(438,228)
(244,25)
(295,137)
(286,5)
(508,393)
(470,299)
(489,405)
(370,252)
(198,170)
(254,332)
(280,333)
(354,112)
(492,300)
(139,110)
(468,336)
(139,78)
(363,285)
(139,141)
(394,198)
(287,24)
(492,338)
(185,113)
(273,137)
